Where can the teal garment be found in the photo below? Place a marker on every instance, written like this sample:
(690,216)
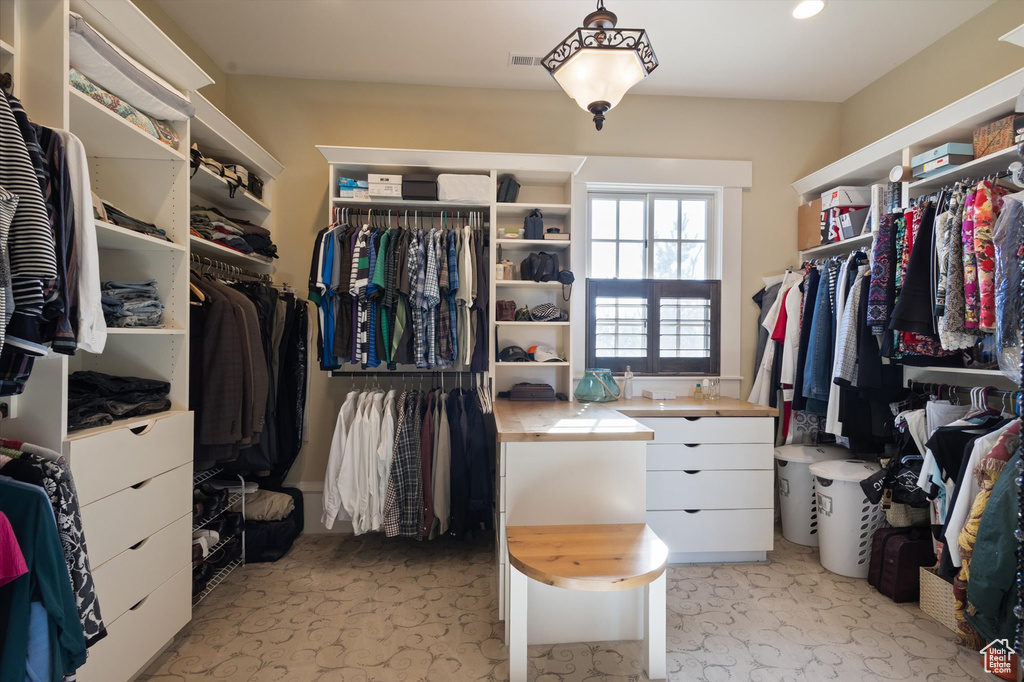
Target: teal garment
(994,562)
(47,582)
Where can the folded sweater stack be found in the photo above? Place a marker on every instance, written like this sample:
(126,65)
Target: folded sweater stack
(240,235)
(97,399)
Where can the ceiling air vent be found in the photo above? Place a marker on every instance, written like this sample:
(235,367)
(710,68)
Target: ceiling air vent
(523,60)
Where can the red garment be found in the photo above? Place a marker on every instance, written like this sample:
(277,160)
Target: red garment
(12,561)
(779,333)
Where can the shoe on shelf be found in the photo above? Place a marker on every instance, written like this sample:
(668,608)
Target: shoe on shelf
(234,523)
(200,578)
(225,555)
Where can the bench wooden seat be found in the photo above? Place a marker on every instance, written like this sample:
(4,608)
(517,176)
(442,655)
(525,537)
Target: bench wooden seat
(594,558)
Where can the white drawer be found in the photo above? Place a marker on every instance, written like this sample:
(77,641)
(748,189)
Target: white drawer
(121,520)
(710,489)
(141,632)
(115,460)
(502,540)
(135,572)
(711,429)
(674,457)
(727,530)
(501,494)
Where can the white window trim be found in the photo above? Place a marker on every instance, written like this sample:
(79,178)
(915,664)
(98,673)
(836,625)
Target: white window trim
(729,178)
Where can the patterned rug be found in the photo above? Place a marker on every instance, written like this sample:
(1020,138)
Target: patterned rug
(340,609)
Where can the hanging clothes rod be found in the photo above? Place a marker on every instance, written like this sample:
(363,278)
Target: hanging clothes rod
(387,373)
(410,214)
(202,263)
(952,388)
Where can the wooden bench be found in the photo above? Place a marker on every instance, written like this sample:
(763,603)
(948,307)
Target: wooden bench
(595,558)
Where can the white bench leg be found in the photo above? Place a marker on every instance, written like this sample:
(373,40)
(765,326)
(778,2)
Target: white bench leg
(655,643)
(515,625)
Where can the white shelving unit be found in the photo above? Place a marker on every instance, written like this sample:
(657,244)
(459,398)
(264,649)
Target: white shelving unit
(871,164)
(218,137)
(546,183)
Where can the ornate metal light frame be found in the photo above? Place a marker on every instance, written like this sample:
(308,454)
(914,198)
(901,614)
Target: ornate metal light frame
(599,32)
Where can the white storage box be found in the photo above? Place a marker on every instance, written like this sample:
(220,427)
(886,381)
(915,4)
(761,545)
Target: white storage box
(846,195)
(797,500)
(379,190)
(383,179)
(464,188)
(846,519)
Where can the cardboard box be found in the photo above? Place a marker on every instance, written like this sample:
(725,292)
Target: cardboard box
(994,137)
(942,163)
(846,195)
(809,225)
(955,148)
(356,194)
(383,179)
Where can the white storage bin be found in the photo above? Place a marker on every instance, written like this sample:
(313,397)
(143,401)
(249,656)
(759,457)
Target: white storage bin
(797,500)
(475,189)
(847,520)
(845,195)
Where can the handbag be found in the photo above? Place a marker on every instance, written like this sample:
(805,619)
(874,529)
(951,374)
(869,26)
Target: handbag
(533,225)
(540,267)
(506,311)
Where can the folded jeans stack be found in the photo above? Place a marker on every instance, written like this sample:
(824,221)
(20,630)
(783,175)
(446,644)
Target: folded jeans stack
(97,399)
(118,217)
(131,304)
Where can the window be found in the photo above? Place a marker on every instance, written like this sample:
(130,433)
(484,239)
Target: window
(652,236)
(651,303)
(654,326)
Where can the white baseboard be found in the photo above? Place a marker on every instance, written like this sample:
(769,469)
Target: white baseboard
(313,507)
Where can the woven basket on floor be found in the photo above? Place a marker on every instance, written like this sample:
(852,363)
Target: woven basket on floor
(937,598)
(901,515)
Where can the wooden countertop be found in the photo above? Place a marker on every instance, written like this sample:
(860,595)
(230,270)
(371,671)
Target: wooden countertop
(529,422)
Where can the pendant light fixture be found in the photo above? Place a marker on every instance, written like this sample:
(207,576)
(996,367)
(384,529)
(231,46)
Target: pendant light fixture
(597,63)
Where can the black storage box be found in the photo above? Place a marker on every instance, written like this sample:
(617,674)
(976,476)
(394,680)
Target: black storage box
(255,185)
(420,187)
(271,540)
(532,392)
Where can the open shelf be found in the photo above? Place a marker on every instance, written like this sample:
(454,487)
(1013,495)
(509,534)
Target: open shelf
(145,331)
(220,138)
(523,210)
(206,520)
(958,370)
(527,284)
(837,248)
(6,48)
(217,579)
(410,204)
(130,423)
(107,135)
(214,189)
(533,324)
(116,238)
(534,243)
(205,247)
(972,169)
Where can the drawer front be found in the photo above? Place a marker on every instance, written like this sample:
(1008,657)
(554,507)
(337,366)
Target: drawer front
(710,429)
(710,490)
(141,632)
(676,457)
(112,461)
(134,573)
(501,494)
(738,530)
(502,540)
(123,519)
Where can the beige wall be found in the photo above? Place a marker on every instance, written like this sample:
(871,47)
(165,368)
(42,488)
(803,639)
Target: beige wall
(217,92)
(966,59)
(785,140)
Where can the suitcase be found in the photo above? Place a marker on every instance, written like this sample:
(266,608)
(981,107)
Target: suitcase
(897,554)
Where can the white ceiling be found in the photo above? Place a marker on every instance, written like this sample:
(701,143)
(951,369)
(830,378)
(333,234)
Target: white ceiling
(707,48)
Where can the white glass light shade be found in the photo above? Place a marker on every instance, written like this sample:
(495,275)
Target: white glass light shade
(600,75)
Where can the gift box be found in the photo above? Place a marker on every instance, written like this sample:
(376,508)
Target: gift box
(994,137)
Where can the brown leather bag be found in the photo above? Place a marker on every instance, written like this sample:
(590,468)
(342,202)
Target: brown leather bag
(506,311)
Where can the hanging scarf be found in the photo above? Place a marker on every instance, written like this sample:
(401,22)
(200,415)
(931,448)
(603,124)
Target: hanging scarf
(987,203)
(880,293)
(971,305)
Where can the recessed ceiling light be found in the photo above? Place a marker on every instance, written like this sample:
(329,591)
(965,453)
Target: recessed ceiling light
(808,8)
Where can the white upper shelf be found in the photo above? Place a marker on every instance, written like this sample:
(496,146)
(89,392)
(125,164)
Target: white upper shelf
(219,138)
(541,167)
(953,123)
(125,25)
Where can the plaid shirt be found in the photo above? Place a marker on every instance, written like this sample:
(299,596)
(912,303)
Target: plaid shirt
(403,504)
(453,290)
(431,297)
(444,312)
(415,268)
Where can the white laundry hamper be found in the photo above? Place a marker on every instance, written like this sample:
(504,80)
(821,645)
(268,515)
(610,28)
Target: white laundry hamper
(846,519)
(797,500)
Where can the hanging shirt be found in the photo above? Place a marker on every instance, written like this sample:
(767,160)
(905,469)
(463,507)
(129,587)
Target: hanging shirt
(431,298)
(385,453)
(333,506)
